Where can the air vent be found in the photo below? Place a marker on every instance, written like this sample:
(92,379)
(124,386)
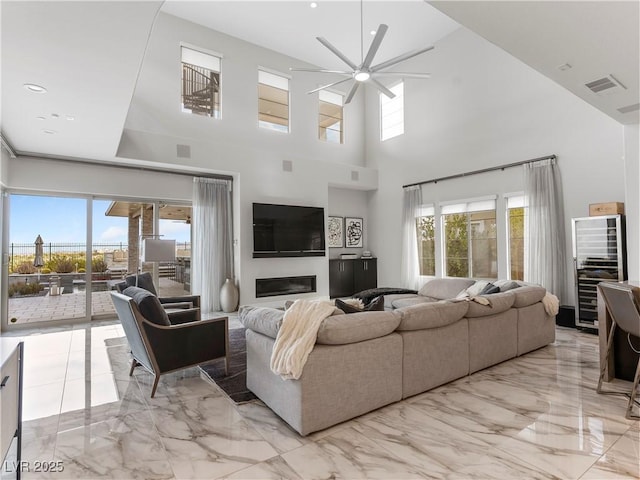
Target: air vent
(183,151)
(629,108)
(605,86)
(287,166)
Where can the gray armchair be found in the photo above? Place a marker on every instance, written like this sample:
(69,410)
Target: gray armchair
(162,347)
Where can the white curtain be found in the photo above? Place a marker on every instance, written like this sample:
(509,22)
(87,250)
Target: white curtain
(410,270)
(212,240)
(545,229)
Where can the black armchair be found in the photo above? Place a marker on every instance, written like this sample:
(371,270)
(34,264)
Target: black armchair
(162,347)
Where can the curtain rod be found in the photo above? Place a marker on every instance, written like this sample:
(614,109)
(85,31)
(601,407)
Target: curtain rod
(484,170)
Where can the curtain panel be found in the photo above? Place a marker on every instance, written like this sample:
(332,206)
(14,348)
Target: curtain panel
(212,239)
(410,267)
(545,228)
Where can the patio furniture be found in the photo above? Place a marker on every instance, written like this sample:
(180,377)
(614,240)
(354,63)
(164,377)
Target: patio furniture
(162,347)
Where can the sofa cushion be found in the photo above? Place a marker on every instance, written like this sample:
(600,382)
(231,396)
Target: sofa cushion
(499,302)
(528,295)
(431,315)
(506,285)
(264,320)
(149,305)
(476,288)
(375,305)
(415,300)
(356,327)
(444,288)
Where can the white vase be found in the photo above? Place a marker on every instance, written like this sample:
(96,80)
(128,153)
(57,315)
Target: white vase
(229,296)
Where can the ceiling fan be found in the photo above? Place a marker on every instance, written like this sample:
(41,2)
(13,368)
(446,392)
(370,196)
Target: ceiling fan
(365,72)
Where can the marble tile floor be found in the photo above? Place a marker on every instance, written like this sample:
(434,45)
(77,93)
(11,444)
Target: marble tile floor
(534,417)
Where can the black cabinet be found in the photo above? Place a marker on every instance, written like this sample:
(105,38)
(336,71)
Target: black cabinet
(347,277)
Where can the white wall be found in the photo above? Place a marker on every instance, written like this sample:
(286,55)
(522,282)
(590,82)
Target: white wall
(484,108)
(235,145)
(632,198)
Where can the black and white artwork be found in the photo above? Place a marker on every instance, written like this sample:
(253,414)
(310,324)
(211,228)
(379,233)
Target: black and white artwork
(335,232)
(353,232)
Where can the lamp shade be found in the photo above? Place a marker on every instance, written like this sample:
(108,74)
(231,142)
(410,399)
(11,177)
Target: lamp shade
(157,250)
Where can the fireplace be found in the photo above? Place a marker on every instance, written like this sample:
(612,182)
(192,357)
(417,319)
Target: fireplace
(271,287)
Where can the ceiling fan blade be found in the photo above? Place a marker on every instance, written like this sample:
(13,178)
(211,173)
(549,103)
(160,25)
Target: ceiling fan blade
(329,85)
(352,92)
(401,74)
(337,52)
(400,58)
(342,72)
(382,88)
(375,45)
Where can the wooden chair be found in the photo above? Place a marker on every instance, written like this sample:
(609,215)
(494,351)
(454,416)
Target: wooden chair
(162,347)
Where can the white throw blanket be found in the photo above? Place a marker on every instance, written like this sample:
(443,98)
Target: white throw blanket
(297,336)
(551,304)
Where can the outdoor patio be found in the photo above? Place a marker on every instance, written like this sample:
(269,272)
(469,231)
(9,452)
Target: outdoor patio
(72,305)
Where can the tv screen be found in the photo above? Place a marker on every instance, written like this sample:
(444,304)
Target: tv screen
(287,231)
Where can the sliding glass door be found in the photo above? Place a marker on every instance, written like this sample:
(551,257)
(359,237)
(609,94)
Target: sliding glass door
(46,259)
(64,255)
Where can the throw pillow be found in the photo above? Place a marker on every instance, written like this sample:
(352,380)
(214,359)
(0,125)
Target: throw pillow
(377,304)
(149,305)
(509,286)
(476,288)
(489,289)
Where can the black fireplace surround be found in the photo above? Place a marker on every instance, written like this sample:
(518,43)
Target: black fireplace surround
(271,287)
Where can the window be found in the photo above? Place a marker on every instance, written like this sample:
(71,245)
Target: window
(470,244)
(425,230)
(200,83)
(330,114)
(516,212)
(273,101)
(392,113)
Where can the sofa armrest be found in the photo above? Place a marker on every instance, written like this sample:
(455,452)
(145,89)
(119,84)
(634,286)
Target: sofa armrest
(179,346)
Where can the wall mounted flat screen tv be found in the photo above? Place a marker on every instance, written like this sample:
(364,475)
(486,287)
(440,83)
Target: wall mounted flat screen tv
(287,231)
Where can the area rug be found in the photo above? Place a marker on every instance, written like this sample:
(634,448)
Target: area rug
(234,384)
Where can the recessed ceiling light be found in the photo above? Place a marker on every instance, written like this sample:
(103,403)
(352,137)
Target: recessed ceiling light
(564,67)
(55,115)
(32,87)
(50,132)
(313,5)
(372,32)
(70,117)
(41,118)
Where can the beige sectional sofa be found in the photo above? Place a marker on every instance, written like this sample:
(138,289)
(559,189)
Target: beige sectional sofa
(363,361)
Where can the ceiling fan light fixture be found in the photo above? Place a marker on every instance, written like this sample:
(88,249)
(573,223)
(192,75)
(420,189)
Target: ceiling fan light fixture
(361,76)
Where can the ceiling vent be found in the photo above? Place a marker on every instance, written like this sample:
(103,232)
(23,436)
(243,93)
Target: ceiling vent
(287,166)
(605,86)
(629,108)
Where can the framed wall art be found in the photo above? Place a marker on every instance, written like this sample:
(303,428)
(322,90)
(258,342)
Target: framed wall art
(335,232)
(354,231)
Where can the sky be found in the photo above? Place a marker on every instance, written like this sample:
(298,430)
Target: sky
(64,220)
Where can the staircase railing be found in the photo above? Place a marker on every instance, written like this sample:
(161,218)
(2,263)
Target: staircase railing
(199,86)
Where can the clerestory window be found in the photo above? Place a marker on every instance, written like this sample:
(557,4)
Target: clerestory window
(200,82)
(273,101)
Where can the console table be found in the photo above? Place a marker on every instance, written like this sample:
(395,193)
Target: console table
(622,361)
(11,359)
(349,276)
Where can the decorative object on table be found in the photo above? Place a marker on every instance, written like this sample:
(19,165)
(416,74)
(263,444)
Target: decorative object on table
(354,231)
(335,232)
(367,254)
(234,381)
(348,256)
(229,296)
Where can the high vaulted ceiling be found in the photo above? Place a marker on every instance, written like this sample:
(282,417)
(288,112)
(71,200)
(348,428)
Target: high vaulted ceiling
(88,53)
